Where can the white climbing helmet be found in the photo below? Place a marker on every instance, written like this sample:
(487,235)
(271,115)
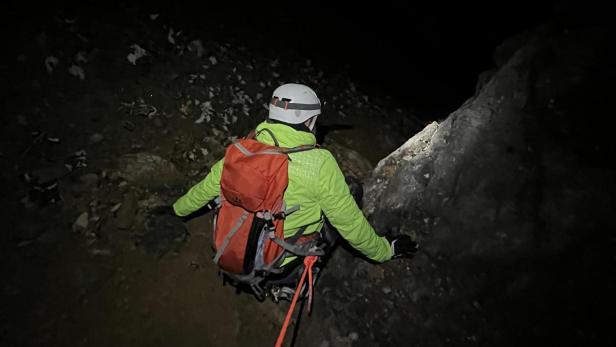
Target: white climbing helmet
(294,104)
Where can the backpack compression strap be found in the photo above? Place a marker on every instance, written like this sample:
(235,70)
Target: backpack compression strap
(227,239)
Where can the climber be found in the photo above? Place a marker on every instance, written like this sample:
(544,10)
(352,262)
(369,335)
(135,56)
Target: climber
(315,181)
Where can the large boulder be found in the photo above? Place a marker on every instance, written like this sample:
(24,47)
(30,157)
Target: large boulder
(508,172)
(511,197)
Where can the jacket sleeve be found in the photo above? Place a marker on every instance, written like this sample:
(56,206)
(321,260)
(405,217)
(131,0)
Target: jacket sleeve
(344,214)
(201,193)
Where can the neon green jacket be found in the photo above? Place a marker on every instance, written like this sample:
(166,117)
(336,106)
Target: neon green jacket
(316,184)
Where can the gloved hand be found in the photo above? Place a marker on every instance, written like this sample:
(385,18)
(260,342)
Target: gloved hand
(403,247)
(162,226)
(163,210)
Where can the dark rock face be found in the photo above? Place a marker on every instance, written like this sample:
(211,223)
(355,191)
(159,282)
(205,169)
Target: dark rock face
(511,197)
(510,171)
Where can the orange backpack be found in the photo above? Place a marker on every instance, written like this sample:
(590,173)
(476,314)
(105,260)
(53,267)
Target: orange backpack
(249,225)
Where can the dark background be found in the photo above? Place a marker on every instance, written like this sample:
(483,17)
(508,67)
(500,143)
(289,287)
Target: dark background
(420,54)
(425,55)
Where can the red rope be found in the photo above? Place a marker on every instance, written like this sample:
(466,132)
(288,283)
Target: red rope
(308,262)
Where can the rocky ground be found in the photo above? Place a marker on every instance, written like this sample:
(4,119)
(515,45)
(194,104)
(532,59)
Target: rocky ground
(103,125)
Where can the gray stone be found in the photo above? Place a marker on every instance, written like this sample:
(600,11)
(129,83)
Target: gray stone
(95,138)
(81,223)
(125,215)
(148,170)
(214,147)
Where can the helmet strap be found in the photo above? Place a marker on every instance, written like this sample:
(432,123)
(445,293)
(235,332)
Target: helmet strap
(311,123)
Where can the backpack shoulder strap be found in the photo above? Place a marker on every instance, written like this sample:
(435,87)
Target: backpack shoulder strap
(271,134)
(300,149)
